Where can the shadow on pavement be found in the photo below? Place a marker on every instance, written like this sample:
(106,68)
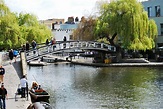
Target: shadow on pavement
(18,68)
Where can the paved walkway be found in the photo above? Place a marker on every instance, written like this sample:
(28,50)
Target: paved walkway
(11,81)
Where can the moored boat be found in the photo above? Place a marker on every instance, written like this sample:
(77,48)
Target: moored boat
(38,94)
(37,63)
(39,105)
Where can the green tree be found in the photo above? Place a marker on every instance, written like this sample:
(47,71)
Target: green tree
(16,29)
(129,21)
(9,29)
(31,29)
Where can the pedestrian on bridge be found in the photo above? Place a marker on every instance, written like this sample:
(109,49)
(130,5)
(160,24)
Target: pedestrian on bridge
(34,44)
(23,47)
(47,44)
(64,39)
(53,43)
(27,47)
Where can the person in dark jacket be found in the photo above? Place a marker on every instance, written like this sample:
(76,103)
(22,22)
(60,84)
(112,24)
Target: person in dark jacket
(2,72)
(3,96)
(47,44)
(27,47)
(34,44)
(11,56)
(23,47)
(64,39)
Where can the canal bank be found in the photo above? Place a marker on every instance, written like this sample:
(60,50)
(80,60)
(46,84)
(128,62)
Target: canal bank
(11,82)
(135,62)
(129,62)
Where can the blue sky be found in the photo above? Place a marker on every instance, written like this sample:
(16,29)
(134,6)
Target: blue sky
(47,9)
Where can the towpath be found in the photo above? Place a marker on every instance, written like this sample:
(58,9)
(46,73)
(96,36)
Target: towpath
(11,81)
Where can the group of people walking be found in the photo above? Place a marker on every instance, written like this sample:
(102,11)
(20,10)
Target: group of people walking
(26,47)
(13,55)
(51,45)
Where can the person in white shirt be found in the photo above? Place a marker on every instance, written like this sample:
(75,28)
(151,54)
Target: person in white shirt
(23,84)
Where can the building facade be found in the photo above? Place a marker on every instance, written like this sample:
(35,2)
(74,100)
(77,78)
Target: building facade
(60,29)
(50,23)
(154,9)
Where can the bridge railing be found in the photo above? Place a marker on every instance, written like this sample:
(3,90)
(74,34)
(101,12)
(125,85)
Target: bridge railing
(62,46)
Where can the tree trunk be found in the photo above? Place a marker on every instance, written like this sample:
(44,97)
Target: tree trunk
(118,48)
(111,40)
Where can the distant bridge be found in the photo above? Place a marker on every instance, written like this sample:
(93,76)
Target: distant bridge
(68,47)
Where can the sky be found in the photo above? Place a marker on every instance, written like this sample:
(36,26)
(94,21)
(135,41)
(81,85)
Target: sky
(48,9)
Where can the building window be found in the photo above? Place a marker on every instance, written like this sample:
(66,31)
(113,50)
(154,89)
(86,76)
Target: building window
(60,22)
(161,26)
(149,11)
(157,11)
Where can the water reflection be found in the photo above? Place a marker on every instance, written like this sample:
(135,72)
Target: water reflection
(82,87)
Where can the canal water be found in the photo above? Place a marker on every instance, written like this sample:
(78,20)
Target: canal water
(84,87)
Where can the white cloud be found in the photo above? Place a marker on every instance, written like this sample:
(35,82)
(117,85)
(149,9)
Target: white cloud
(45,9)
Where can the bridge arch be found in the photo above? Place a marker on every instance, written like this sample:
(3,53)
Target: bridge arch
(68,47)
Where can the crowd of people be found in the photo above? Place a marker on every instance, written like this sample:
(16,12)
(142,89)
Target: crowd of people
(51,45)
(13,53)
